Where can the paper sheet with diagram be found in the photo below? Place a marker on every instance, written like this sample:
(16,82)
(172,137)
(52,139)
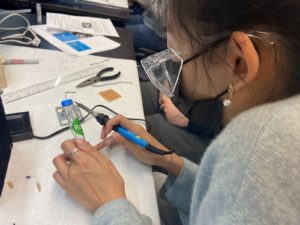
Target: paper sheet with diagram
(116,3)
(76,44)
(81,24)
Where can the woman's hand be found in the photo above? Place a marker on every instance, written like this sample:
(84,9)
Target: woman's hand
(173,115)
(172,162)
(142,155)
(87,175)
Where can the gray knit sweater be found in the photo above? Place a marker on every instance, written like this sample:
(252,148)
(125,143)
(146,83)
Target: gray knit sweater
(249,175)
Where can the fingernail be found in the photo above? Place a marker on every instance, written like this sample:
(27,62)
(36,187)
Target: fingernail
(79,141)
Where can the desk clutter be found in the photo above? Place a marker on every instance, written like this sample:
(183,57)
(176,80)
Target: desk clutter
(2,74)
(110,95)
(5,146)
(30,194)
(77,35)
(74,35)
(46,85)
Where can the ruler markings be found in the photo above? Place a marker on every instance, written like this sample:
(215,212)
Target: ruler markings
(50,84)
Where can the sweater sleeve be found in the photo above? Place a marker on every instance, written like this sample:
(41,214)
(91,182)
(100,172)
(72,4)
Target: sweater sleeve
(250,174)
(178,191)
(119,212)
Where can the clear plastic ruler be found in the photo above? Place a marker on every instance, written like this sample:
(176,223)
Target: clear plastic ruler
(43,86)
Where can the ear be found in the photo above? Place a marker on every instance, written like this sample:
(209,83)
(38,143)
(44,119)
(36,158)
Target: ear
(243,59)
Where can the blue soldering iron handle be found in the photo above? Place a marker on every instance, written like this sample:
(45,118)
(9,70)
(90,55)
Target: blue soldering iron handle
(131,136)
(102,119)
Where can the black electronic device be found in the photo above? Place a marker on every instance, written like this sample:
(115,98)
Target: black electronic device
(5,146)
(19,126)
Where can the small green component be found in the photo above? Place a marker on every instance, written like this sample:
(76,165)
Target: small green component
(77,127)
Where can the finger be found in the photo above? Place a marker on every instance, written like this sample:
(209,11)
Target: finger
(161,98)
(166,84)
(140,154)
(167,99)
(61,165)
(107,142)
(124,122)
(162,102)
(131,147)
(70,149)
(163,106)
(103,133)
(100,145)
(59,179)
(86,147)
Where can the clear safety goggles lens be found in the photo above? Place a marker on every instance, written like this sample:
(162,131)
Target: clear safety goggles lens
(163,69)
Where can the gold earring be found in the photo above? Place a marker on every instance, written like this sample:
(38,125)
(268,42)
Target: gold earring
(227,101)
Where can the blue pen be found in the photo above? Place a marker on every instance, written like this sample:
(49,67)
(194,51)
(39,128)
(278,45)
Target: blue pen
(102,119)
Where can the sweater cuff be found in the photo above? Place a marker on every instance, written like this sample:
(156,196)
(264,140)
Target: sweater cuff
(119,212)
(178,191)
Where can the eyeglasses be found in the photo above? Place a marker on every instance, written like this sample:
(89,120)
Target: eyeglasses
(164,68)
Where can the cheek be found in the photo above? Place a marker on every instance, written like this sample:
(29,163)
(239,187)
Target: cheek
(194,82)
(171,41)
(199,83)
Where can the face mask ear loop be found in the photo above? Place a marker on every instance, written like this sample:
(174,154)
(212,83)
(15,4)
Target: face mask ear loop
(222,93)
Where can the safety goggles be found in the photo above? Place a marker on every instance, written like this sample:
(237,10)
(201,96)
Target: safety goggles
(164,68)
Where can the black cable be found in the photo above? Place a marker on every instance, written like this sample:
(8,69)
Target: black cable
(149,147)
(158,151)
(148,126)
(83,119)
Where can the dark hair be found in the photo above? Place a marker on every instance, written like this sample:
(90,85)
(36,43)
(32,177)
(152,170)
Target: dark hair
(200,18)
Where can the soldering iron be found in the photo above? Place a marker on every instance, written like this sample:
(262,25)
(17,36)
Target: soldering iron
(102,119)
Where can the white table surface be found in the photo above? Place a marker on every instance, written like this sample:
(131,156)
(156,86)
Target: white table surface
(24,204)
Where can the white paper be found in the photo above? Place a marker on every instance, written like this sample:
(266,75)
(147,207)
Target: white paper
(117,3)
(82,24)
(75,44)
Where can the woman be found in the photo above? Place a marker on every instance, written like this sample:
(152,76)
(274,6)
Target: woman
(250,173)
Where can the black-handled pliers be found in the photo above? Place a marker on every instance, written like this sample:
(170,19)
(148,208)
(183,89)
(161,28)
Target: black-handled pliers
(99,77)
